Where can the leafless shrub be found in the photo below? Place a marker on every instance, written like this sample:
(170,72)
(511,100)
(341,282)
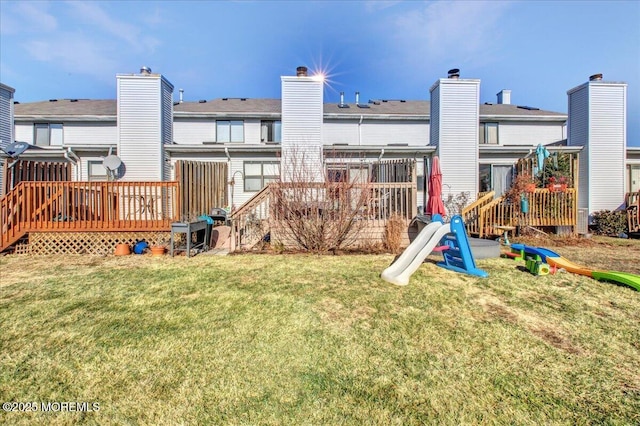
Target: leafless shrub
(393,233)
(319,211)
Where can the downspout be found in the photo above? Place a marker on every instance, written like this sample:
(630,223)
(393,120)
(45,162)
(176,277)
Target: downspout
(231,183)
(360,130)
(75,160)
(381,154)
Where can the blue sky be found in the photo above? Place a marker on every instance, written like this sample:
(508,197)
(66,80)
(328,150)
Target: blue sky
(384,49)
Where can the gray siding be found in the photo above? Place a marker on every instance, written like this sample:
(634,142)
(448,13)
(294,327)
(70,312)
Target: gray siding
(302,117)
(6,124)
(167,127)
(6,115)
(457,134)
(578,135)
(434,129)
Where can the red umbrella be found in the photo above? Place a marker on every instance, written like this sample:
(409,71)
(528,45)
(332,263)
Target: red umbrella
(435,204)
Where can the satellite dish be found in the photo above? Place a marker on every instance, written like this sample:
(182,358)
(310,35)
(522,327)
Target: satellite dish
(14,149)
(112,163)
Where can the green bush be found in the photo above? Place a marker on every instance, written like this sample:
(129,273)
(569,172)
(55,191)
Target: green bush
(612,223)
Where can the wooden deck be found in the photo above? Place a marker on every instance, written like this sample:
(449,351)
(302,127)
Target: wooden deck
(87,207)
(632,201)
(257,217)
(546,209)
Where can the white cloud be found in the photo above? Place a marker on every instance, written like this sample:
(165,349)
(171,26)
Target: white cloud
(26,17)
(91,13)
(375,5)
(461,31)
(74,53)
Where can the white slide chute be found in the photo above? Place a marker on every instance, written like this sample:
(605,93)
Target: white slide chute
(411,259)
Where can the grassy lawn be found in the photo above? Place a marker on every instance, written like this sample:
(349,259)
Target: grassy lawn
(299,339)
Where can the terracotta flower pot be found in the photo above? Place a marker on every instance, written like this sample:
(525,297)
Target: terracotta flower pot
(158,250)
(122,250)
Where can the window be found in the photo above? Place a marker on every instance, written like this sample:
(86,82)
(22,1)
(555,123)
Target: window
(489,133)
(634,177)
(229,131)
(96,171)
(47,134)
(356,173)
(258,174)
(495,178)
(271,131)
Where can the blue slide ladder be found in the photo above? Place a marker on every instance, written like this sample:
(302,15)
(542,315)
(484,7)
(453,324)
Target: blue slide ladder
(458,256)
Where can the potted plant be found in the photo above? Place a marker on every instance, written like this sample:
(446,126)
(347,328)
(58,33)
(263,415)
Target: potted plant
(557,183)
(522,183)
(160,246)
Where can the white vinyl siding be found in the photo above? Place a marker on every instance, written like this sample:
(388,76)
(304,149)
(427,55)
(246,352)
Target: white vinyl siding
(597,121)
(90,133)
(252,131)
(381,132)
(194,131)
(607,145)
(302,117)
(375,132)
(531,134)
(340,132)
(457,124)
(24,132)
(142,101)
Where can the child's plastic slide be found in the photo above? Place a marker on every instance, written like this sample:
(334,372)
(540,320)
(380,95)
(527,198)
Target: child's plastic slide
(413,256)
(554,259)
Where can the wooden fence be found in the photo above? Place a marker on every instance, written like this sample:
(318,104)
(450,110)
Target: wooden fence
(16,171)
(87,206)
(203,186)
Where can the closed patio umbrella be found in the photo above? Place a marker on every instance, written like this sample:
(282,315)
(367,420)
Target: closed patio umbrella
(435,204)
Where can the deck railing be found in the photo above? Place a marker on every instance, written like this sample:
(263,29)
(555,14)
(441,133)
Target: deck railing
(545,208)
(252,221)
(632,201)
(86,207)
(471,213)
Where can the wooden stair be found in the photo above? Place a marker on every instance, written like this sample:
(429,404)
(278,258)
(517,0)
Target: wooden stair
(632,201)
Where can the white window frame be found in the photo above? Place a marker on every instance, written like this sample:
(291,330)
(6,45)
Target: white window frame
(229,131)
(101,176)
(487,137)
(261,179)
(52,134)
(271,131)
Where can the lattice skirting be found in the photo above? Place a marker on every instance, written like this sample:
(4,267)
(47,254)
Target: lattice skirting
(101,243)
